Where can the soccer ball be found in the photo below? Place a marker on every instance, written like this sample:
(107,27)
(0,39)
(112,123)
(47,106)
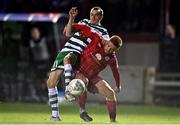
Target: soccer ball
(76,87)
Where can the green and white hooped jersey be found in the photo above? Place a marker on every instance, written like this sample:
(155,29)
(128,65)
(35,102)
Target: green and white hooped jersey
(78,44)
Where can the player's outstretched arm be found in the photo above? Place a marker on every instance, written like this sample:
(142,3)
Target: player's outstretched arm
(72,15)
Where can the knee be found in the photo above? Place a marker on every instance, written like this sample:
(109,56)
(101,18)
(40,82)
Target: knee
(50,83)
(69,58)
(66,60)
(111,95)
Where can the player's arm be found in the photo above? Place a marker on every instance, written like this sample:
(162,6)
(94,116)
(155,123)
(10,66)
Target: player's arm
(87,31)
(113,63)
(72,14)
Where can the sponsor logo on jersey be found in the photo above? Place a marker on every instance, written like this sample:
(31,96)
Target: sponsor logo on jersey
(98,56)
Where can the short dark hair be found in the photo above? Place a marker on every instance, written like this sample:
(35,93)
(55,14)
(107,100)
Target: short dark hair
(98,9)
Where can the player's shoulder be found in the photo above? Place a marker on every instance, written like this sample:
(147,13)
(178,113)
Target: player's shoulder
(84,21)
(87,22)
(100,27)
(101,30)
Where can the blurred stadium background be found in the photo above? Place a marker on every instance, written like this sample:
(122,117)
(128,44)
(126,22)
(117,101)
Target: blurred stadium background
(149,59)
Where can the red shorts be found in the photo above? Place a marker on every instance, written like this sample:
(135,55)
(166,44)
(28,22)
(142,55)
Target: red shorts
(95,79)
(92,82)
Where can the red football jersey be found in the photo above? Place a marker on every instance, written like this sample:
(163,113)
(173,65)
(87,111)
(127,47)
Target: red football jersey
(94,59)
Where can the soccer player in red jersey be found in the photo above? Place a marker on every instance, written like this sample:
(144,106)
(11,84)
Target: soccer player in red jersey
(94,59)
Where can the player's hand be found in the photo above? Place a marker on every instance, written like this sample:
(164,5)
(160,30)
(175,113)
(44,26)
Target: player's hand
(73,12)
(117,90)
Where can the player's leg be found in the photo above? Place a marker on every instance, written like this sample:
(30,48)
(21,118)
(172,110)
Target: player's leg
(82,104)
(105,90)
(82,99)
(52,81)
(54,77)
(70,61)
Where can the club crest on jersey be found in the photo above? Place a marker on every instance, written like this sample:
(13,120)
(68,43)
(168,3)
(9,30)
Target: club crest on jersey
(107,58)
(98,56)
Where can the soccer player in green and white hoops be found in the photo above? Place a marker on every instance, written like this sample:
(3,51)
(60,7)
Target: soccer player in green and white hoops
(69,56)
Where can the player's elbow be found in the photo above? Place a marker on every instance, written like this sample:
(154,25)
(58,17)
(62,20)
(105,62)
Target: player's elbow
(67,34)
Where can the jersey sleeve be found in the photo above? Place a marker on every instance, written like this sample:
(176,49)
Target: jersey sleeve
(113,63)
(87,31)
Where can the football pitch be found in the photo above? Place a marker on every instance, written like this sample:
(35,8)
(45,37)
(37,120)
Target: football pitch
(28,113)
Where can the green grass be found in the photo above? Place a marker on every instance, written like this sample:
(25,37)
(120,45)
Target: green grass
(133,114)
